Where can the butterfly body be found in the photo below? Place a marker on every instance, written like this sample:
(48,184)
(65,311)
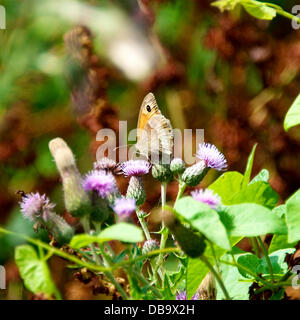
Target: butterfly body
(155,133)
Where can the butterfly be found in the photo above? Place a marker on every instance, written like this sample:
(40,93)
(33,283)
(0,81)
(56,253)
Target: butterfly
(155,134)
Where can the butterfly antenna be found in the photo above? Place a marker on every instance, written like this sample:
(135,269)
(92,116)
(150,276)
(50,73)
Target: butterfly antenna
(126,145)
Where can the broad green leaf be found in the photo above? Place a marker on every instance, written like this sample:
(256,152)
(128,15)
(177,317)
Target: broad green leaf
(84,240)
(258,192)
(203,218)
(277,258)
(250,220)
(280,210)
(249,166)
(34,271)
(249,261)
(263,175)
(280,241)
(235,283)
(258,9)
(123,231)
(197,270)
(227,185)
(293,217)
(292,118)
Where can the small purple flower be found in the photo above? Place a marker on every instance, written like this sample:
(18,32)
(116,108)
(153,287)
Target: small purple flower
(212,157)
(100,181)
(207,196)
(124,207)
(135,167)
(34,205)
(182,295)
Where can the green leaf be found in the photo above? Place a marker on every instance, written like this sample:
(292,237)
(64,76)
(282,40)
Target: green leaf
(277,258)
(249,166)
(227,185)
(258,192)
(250,220)
(292,118)
(293,217)
(235,283)
(201,217)
(259,10)
(263,175)
(34,271)
(280,241)
(123,231)
(249,261)
(197,270)
(280,210)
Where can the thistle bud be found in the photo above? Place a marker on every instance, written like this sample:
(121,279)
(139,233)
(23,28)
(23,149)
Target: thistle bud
(58,227)
(76,200)
(150,245)
(100,209)
(136,190)
(193,175)
(162,172)
(177,166)
(191,243)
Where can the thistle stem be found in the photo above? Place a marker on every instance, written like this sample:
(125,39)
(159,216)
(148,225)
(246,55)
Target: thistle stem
(143,224)
(267,257)
(217,276)
(165,231)
(86,226)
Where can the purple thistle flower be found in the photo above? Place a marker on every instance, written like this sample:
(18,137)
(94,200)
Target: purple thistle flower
(182,295)
(100,181)
(124,207)
(34,205)
(207,196)
(212,157)
(135,168)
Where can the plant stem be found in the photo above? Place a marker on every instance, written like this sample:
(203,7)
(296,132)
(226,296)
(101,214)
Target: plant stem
(165,231)
(182,187)
(214,255)
(255,276)
(217,276)
(280,11)
(143,224)
(144,281)
(254,245)
(266,257)
(110,276)
(86,227)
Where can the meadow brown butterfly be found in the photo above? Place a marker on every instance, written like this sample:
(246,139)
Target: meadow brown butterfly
(155,133)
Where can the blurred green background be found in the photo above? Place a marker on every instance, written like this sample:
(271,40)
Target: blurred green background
(228,73)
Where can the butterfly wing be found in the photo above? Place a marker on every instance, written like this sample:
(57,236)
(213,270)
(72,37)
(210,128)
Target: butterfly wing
(155,132)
